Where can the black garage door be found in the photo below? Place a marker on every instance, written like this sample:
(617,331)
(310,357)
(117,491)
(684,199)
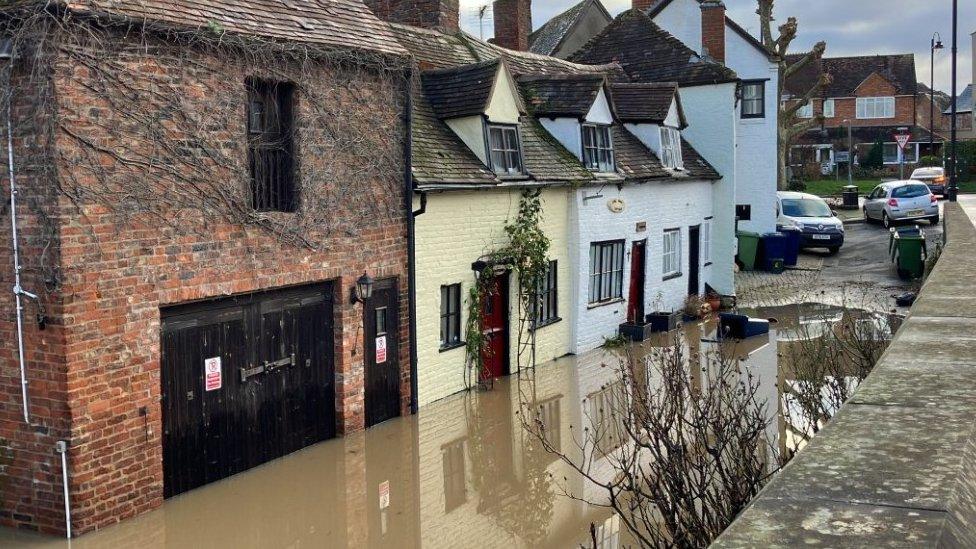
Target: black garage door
(246,379)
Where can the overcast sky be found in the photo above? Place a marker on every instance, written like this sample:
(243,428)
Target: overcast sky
(850,27)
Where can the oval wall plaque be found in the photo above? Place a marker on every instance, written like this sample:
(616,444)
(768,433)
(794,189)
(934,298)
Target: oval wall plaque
(616,205)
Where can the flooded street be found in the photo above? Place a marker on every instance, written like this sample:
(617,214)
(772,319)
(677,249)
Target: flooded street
(463,472)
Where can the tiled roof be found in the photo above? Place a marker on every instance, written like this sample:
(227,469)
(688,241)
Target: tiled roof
(636,161)
(433,49)
(849,72)
(346,24)
(638,102)
(527,63)
(546,39)
(561,95)
(545,157)
(460,91)
(964,103)
(647,53)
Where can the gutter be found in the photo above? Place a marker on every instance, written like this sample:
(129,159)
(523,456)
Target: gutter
(411,238)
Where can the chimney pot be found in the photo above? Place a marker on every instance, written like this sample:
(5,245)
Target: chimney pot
(713,29)
(513,23)
(642,5)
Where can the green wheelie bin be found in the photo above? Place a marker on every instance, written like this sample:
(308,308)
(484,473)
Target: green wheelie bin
(909,254)
(748,249)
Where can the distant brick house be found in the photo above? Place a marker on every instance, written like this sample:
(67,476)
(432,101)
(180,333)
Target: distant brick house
(877,96)
(964,115)
(199,193)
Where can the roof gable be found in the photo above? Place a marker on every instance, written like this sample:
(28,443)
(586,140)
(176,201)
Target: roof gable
(547,39)
(461,91)
(964,103)
(850,72)
(648,53)
(875,84)
(557,96)
(647,103)
(335,23)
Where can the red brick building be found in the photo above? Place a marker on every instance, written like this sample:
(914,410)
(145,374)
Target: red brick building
(876,96)
(199,192)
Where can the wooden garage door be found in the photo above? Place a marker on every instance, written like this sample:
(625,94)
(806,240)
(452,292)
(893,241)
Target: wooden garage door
(245,379)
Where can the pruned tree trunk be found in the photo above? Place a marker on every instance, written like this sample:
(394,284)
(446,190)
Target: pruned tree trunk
(789,125)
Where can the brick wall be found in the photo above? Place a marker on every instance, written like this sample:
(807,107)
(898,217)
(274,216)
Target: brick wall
(513,23)
(30,470)
(98,361)
(846,109)
(430,14)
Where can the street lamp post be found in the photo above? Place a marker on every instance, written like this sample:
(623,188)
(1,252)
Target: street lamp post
(936,45)
(953,189)
(850,151)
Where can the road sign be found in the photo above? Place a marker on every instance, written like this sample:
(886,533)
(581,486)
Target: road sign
(902,139)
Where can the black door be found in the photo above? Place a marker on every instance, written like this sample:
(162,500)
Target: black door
(694,260)
(245,379)
(382,353)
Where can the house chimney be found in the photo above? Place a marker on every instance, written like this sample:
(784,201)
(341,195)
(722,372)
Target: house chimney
(713,29)
(642,5)
(513,23)
(439,15)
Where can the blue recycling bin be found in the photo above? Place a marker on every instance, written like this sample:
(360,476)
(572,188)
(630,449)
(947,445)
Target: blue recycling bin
(792,246)
(773,252)
(736,326)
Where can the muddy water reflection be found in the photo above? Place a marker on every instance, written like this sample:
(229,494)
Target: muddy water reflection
(461,473)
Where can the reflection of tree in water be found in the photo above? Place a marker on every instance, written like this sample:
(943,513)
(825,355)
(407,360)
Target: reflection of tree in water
(522,507)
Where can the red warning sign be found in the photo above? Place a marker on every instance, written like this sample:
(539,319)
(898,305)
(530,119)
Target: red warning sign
(213,377)
(902,139)
(381,349)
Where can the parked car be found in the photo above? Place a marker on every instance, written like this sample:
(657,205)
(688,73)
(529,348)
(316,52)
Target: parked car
(817,223)
(901,201)
(935,178)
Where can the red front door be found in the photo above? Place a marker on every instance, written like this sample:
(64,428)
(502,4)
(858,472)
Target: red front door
(635,297)
(494,317)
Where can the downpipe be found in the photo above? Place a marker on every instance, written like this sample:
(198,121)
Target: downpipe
(6,54)
(62,448)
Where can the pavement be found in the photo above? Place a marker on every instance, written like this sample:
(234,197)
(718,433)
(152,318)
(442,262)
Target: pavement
(896,467)
(860,275)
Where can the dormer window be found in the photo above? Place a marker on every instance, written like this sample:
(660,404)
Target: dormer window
(671,148)
(597,148)
(505,149)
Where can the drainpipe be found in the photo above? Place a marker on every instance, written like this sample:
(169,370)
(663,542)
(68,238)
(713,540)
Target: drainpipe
(6,54)
(411,244)
(62,448)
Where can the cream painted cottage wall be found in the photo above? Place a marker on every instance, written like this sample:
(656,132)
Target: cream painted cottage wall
(658,205)
(458,228)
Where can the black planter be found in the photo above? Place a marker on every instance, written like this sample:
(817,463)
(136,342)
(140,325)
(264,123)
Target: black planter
(635,332)
(663,322)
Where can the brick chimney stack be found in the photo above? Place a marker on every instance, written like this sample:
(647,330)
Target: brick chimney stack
(713,29)
(641,5)
(439,15)
(513,23)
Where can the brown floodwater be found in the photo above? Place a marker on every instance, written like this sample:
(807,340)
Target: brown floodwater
(463,472)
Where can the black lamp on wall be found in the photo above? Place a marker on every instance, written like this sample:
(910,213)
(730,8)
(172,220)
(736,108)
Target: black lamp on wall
(364,288)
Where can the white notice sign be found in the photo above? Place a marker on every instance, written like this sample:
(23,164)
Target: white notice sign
(384,494)
(213,378)
(381,349)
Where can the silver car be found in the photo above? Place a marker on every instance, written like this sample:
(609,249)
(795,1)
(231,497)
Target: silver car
(901,201)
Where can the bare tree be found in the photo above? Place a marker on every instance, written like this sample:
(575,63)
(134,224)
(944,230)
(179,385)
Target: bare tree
(790,125)
(677,451)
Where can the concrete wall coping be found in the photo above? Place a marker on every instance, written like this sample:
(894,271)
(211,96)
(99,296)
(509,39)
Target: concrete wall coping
(896,466)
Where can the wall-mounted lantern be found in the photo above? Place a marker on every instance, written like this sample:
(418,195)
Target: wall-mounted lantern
(364,288)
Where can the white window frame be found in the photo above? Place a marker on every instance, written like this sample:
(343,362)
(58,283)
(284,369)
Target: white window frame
(505,159)
(671,148)
(873,108)
(706,241)
(828,108)
(806,111)
(671,253)
(598,151)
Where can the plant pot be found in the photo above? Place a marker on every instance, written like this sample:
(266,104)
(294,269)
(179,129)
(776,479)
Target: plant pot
(715,302)
(635,332)
(663,321)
